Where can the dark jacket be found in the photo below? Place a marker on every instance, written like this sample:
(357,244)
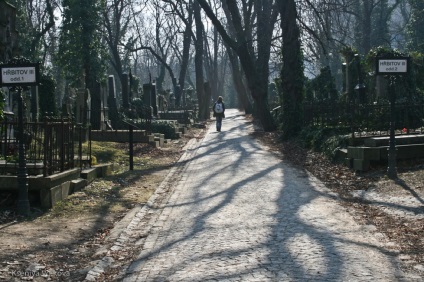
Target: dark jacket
(215,114)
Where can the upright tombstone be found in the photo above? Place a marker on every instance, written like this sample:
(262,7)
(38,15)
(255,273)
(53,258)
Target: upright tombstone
(188,96)
(154,100)
(68,102)
(172,101)
(125,91)
(83,106)
(96,106)
(147,100)
(104,112)
(112,105)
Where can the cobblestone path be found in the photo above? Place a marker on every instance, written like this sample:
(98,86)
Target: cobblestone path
(241,214)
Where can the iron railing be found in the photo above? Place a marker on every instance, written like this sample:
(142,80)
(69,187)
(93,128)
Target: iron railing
(366,119)
(51,146)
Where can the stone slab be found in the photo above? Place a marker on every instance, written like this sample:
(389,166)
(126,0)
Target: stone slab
(400,140)
(50,196)
(103,169)
(365,153)
(121,136)
(89,174)
(404,152)
(78,184)
(361,165)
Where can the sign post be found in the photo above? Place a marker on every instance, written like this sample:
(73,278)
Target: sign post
(18,74)
(391,67)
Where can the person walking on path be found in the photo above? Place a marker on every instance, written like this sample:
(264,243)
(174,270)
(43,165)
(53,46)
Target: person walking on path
(218,112)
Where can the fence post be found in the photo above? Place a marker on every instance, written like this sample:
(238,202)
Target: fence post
(23,201)
(131,143)
(62,145)
(391,169)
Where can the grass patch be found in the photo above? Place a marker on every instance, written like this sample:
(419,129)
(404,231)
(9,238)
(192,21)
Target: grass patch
(123,189)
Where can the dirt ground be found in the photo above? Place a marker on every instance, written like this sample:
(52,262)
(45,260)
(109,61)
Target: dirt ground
(59,244)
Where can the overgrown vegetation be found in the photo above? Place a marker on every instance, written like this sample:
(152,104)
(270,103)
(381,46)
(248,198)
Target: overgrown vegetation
(1,104)
(47,98)
(325,140)
(118,155)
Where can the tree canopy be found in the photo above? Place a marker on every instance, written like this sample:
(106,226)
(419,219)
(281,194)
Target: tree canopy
(236,48)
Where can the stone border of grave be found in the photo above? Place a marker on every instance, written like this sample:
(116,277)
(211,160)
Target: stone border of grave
(375,150)
(54,188)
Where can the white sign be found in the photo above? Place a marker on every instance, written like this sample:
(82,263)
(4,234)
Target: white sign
(387,66)
(18,75)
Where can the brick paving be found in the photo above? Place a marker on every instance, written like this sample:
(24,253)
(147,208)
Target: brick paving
(238,213)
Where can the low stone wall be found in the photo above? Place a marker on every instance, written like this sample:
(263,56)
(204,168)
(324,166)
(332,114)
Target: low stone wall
(57,187)
(375,149)
(121,136)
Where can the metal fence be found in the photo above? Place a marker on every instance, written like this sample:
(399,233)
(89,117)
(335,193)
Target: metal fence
(366,119)
(51,146)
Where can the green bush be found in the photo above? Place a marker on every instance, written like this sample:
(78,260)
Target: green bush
(163,127)
(326,140)
(47,97)
(1,104)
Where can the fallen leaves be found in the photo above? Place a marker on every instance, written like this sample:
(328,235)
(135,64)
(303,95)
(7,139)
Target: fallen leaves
(407,234)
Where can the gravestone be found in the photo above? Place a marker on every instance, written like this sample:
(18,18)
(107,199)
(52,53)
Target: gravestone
(133,87)
(172,101)
(125,91)
(68,102)
(112,106)
(154,100)
(104,113)
(83,109)
(188,97)
(163,101)
(147,98)
(83,106)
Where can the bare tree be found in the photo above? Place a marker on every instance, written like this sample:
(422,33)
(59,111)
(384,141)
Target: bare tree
(118,19)
(36,21)
(237,71)
(183,11)
(157,43)
(252,46)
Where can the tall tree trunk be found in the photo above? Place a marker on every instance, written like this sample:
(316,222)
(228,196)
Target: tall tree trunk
(366,26)
(238,75)
(214,79)
(255,69)
(185,57)
(198,62)
(239,85)
(160,79)
(292,70)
